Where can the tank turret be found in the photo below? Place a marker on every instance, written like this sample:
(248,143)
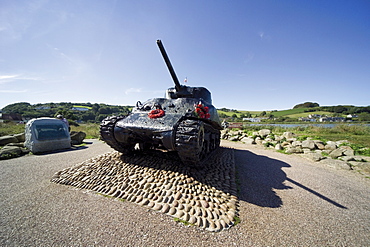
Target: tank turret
(185,121)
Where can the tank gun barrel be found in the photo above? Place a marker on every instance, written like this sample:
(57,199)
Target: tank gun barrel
(169,65)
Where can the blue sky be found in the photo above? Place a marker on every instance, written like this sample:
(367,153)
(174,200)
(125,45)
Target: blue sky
(252,55)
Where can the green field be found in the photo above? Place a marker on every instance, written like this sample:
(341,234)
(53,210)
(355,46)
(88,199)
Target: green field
(291,113)
(305,114)
(238,113)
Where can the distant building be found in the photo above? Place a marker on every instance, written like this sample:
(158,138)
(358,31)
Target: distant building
(307,119)
(314,116)
(332,119)
(235,125)
(80,108)
(255,119)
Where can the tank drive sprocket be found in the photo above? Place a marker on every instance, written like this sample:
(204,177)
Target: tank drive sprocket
(107,134)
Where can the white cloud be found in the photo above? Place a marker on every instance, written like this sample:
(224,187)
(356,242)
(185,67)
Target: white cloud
(5,77)
(263,36)
(9,78)
(133,90)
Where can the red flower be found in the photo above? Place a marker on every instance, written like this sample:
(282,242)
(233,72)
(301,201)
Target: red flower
(202,111)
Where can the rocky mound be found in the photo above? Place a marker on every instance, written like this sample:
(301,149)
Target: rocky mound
(205,197)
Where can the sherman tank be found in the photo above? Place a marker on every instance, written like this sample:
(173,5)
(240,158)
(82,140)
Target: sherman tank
(185,121)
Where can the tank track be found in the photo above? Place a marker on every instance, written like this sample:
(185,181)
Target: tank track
(195,140)
(107,135)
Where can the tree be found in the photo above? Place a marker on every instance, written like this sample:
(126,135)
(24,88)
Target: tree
(223,115)
(306,105)
(18,108)
(364,116)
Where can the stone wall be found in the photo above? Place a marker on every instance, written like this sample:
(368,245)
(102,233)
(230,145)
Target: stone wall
(335,154)
(12,146)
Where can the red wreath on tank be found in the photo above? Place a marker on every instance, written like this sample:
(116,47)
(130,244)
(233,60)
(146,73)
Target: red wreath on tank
(156,113)
(202,111)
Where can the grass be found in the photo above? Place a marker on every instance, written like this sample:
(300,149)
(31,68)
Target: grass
(91,130)
(186,223)
(236,220)
(230,113)
(289,112)
(11,128)
(111,197)
(305,114)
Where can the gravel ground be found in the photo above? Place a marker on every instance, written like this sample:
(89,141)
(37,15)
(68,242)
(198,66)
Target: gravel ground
(285,200)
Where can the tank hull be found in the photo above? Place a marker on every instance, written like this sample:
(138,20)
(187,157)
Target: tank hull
(176,130)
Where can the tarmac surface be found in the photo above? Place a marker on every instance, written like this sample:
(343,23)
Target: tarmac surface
(284,200)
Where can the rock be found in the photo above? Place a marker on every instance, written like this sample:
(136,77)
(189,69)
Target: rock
(294,150)
(308,144)
(278,147)
(278,138)
(46,134)
(296,144)
(362,158)
(336,153)
(77,137)
(288,135)
(17,144)
(7,139)
(8,152)
(347,150)
(233,138)
(363,167)
(264,132)
(248,140)
(258,141)
(330,146)
(285,144)
(338,164)
(347,158)
(224,136)
(268,139)
(20,137)
(319,144)
(314,156)
(235,133)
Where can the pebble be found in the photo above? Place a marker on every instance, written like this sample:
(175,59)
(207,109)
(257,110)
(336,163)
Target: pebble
(199,197)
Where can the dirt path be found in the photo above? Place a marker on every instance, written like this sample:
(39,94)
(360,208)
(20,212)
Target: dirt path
(284,201)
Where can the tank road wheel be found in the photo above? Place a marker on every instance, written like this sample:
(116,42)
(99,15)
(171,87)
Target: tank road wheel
(190,141)
(107,135)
